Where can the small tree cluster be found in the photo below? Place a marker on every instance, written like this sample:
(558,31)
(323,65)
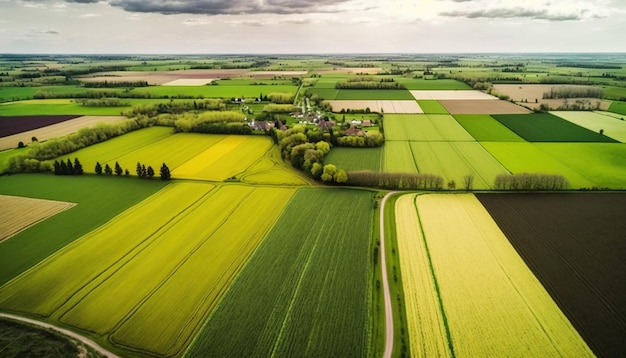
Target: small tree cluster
(148,172)
(527,181)
(370,140)
(330,174)
(67,167)
(395,180)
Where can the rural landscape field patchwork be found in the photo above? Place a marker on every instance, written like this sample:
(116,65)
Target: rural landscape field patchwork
(316,206)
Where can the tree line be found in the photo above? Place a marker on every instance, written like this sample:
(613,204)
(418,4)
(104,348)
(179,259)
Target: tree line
(573,92)
(528,181)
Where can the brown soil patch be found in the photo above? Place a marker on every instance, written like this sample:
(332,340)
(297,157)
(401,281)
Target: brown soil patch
(158,78)
(520,92)
(451,95)
(19,213)
(574,244)
(387,106)
(10,125)
(482,107)
(56,130)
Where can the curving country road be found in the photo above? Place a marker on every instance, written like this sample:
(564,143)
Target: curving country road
(387,295)
(82,339)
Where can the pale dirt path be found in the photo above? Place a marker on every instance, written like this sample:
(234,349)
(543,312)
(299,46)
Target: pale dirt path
(387,295)
(82,339)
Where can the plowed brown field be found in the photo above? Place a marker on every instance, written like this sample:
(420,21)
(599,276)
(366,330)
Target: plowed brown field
(18,213)
(575,244)
(482,107)
(10,125)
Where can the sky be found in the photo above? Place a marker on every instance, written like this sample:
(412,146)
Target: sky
(310,26)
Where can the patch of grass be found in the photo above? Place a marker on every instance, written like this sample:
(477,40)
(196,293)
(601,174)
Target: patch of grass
(545,127)
(484,128)
(618,107)
(432,107)
(352,159)
(328,94)
(423,84)
(419,127)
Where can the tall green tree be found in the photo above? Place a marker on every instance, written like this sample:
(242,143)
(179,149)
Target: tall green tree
(118,169)
(149,172)
(78,168)
(108,170)
(98,168)
(165,172)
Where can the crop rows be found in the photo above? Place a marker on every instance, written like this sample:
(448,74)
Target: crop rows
(125,279)
(504,313)
(18,213)
(305,290)
(545,127)
(424,128)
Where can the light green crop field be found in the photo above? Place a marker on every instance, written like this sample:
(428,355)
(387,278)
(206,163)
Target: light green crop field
(602,163)
(523,157)
(147,256)
(352,159)
(445,242)
(419,127)
(216,91)
(307,290)
(98,200)
(374,94)
(422,84)
(432,107)
(57,107)
(455,160)
(484,128)
(612,127)
(328,94)
(398,157)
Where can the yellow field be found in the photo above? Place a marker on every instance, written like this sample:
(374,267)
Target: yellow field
(490,301)
(424,316)
(229,157)
(18,213)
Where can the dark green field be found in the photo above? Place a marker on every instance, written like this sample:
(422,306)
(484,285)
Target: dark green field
(375,95)
(351,159)
(618,107)
(98,198)
(484,128)
(545,127)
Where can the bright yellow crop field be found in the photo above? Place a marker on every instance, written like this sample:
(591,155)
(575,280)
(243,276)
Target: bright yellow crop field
(228,157)
(488,299)
(123,281)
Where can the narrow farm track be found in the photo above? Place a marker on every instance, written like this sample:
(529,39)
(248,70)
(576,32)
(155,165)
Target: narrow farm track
(82,339)
(387,295)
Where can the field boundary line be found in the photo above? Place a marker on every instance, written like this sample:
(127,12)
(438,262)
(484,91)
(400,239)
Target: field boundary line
(386,293)
(65,332)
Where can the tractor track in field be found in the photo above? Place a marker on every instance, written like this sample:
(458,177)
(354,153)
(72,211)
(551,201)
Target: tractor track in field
(66,332)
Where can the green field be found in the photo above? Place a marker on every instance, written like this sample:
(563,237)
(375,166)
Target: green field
(545,127)
(522,157)
(432,107)
(618,107)
(307,290)
(352,159)
(422,84)
(326,93)
(398,157)
(99,199)
(374,95)
(147,256)
(8,94)
(602,163)
(216,91)
(484,128)
(611,126)
(424,127)
(455,160)
(614,93)
(51,107)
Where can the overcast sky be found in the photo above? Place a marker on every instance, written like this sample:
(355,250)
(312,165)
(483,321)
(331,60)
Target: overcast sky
(311,26)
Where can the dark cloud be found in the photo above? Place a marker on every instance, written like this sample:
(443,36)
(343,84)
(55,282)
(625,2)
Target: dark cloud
(228,7)
(518,12)
(51,32)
